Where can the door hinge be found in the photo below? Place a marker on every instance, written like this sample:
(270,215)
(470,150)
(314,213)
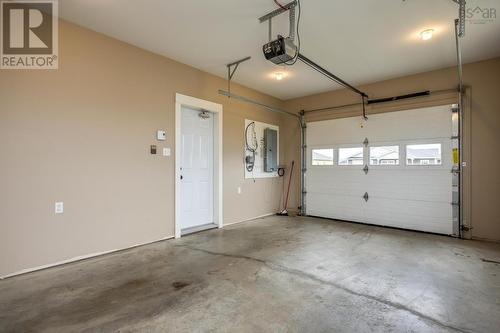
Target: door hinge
(365,169)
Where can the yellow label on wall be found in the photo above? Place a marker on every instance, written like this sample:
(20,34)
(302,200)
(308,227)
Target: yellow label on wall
(456,157)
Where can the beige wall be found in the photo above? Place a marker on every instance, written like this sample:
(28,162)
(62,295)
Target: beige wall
(81,135)
(482,129)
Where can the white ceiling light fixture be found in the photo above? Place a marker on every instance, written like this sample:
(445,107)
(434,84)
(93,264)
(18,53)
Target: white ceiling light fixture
(426,34)
(279,76)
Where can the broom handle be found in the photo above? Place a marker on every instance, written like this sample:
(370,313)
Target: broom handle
(289,182)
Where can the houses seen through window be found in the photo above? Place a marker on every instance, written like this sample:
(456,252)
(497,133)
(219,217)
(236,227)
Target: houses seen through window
(384,155)
(351,156)
(322,157)
(423,154)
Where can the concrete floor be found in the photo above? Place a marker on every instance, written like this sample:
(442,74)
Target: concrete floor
(276,274)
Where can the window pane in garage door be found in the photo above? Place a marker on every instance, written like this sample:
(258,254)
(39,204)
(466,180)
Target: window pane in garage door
(351,156)
(425,154)
(384,155)
(322,157)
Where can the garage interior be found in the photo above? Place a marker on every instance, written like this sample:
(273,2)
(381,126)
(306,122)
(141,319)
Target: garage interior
(251,166)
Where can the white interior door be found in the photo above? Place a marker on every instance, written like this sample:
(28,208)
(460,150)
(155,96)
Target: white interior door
(197,169)
(408,181)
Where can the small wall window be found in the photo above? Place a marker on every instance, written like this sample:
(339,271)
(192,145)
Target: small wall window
(384,155)
(351,156)
(424,154)
(322,157)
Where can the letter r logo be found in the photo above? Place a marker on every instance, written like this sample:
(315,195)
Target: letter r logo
(27,27)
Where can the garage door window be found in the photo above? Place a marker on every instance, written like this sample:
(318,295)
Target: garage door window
(384,155)
(351,156)
(423,154)
(322,157)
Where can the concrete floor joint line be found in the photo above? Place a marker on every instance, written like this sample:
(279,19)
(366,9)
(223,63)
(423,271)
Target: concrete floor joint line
(302,274)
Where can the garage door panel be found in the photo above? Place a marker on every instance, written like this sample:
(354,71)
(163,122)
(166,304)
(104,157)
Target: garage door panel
(419,124)
(342,207)
(401,184)
(387,184)
(407,214)
(410,214)
(407,209)
(335,181)
(416,197)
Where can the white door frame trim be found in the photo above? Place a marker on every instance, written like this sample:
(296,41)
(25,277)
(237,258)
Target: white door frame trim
(216,109)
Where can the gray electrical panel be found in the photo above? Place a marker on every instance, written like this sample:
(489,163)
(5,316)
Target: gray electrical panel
(271,154)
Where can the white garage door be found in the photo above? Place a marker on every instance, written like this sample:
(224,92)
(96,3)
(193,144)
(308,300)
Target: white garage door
(392,170)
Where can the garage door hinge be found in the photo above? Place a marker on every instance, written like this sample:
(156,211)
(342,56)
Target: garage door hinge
(365,169)
(366,142)
(455,170)
(455,137)
(366,196)
(455,204)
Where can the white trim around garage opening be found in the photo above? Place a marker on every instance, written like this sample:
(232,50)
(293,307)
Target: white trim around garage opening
(216,109)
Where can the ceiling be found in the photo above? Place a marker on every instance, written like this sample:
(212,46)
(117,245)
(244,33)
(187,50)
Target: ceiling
(362,41)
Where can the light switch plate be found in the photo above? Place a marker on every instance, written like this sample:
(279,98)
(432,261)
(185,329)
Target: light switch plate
(161,135)
(59,207)
(166,151)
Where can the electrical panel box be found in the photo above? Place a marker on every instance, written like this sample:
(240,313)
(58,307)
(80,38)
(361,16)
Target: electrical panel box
(271,153)
(255,137)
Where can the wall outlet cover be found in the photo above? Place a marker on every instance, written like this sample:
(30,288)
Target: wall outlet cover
(166,151)
(161,135)
(59,207)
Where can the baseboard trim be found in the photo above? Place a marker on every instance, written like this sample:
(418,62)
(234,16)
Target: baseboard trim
(78,258)
(250,219)
(486,239)
(98,254)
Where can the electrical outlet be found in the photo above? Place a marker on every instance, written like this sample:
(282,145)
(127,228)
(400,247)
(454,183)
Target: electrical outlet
(239,190)
(166,151)
(161,135)
(59,207)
